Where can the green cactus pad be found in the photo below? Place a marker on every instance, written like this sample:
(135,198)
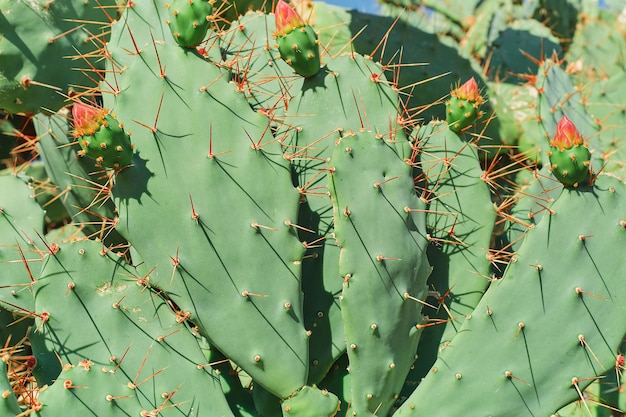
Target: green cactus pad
(110,146)
(311,402)
(380,228)
(570,166)
(157,365)
(547,329)
(331,102)
(21,219)
(8,402)
(49,49)
(189,21)
(256,67)
(300,49)
(226,248)
(460,220)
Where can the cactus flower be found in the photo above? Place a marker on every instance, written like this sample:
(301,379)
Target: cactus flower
(463,108)
(469,91)
(297,42)
(566,136)
(569,157)
(87,119)
(101,136)
(287,19)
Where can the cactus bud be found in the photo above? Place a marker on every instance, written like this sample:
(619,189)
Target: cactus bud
(297,41)
(287,19)
(463,108)
(101,137)
(87,119)
(469,91)
(569,156)
(566,135)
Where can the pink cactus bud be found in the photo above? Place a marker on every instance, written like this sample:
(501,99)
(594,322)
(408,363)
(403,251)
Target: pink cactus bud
(469,91)
(287,19)
(87,119)
(566,136)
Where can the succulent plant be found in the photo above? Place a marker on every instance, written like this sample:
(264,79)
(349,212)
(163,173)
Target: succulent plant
(209,208)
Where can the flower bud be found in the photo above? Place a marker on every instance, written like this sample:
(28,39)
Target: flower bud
(87,119)
(463,108)
(101,137)
(287,19)
(566,136)
(570,159)
(469,91)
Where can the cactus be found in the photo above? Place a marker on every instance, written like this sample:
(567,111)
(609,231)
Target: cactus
(297,41)
(460,221)
(189,21)
(385,265)
(101,137)
(573,284)
(211,209)
(568,154)
(49,50)
(463,108)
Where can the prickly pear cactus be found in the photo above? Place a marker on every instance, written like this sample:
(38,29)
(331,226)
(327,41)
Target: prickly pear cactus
(463,108)
(297,41)
(568,299)
(266,209)
(385,266)
(569,156)
(101,136)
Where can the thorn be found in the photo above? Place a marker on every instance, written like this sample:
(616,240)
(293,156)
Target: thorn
(194,214)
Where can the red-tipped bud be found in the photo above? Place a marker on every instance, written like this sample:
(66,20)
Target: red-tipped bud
(469,91)
(287,19)
(87,119)
(566,136)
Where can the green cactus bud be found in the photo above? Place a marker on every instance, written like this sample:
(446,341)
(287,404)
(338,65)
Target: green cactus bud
(569,156)
(189,21)
(101,136)
(463,108)
(297,41)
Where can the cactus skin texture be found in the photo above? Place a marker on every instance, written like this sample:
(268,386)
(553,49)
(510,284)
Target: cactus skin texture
(189,21)
(307,231)
(37,39)
(311,402)
(203,277)
(101,136)
(19,212)
(297,41)
(385,266)
(570,299)
(111,374)
(569,156)
(463,108)
(8,402)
